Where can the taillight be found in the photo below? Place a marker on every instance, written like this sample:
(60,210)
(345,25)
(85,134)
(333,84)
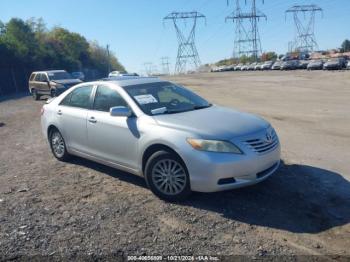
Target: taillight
(42,111)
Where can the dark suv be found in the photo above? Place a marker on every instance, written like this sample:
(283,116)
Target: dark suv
(50,83)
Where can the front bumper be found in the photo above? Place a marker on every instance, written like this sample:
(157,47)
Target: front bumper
(211,172)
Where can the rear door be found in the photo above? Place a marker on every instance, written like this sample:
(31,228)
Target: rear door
(45,83)
(36,83)
(113,139)
(72,113)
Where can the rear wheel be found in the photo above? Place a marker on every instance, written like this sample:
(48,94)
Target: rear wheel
(167,176)
(58,146)
(35,94)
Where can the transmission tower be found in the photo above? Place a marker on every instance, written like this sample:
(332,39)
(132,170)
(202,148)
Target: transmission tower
(305,40)
(247,39)
(165,65)
(148,68)
(187,53)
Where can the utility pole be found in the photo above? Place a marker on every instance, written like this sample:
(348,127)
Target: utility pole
(305,40)
(247,41)
(187,52)
(165,65)
(109,60)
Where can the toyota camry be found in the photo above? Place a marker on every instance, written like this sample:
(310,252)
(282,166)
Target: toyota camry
(175,139)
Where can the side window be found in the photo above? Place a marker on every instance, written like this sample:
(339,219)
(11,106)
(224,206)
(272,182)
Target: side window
(106,98)
(80,97)
(66,100)
(37,77)
(44,78)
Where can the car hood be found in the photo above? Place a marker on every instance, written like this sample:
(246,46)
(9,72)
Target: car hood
(67,81)
(214,122)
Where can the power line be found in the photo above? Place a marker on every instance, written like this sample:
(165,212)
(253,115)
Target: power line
(187,52)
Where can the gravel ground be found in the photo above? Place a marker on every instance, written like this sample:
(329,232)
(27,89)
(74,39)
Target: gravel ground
(81,209)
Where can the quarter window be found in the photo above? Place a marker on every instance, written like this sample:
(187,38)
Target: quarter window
(32,77)
(80,97)
(106,98)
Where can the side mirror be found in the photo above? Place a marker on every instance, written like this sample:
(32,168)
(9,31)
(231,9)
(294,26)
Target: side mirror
(120,111)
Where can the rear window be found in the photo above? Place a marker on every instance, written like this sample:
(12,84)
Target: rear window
(31,77)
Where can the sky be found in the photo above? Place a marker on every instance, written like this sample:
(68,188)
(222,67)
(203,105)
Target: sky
(135,31)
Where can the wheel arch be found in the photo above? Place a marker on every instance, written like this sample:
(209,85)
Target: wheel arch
(150,150)
(50,129)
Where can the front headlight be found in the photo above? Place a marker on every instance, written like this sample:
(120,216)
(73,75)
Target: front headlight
(214,146)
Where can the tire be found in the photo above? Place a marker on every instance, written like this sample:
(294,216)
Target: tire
(58,146)
(35,95)
(163,183)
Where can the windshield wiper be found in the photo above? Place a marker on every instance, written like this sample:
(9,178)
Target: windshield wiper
(201,107)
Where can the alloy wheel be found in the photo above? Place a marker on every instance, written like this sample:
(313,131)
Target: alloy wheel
(57,144)
(169,177)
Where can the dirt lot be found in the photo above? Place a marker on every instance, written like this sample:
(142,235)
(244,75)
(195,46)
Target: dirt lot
(82,209)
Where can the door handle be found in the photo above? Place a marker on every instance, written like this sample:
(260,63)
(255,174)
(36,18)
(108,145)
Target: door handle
(92,120)
(59,112)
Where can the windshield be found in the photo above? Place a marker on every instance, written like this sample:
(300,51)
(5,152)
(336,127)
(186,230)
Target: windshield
(59,76)
(165,98)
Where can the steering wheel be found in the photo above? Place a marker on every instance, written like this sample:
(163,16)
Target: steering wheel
(174,102)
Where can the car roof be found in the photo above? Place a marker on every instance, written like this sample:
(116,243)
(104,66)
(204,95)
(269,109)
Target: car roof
(132,80)
(50,71)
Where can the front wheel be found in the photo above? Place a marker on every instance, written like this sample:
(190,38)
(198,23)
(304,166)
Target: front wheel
(58,146)
(167,176)
(35,95)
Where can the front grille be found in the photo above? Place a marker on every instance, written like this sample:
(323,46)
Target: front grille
(263,145)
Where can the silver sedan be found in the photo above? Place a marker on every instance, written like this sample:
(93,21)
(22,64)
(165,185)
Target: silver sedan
(160,130)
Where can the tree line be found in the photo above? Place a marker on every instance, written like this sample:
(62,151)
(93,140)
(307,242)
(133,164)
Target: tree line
(30,44)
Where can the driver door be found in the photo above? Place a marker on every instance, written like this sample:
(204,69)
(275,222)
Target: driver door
(112,139)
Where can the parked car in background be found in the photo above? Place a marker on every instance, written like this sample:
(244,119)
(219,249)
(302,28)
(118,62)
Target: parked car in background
(315,65)
(160,130)
(114,74)
(302,64)
(252,66)
(230,67)
(277,65)
(289,65)
(128,74)
(78,75)
(258,66)
(334,64)
(51,83)
(348,65)
(244,67)
(267,65)
(238,67)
